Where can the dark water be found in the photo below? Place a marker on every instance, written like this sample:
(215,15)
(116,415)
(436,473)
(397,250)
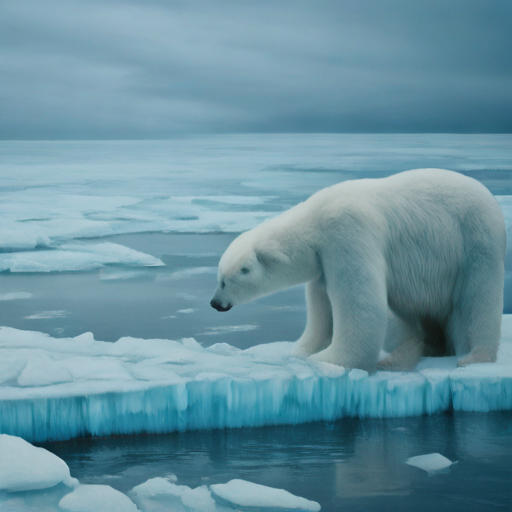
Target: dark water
(146,302)
(351,464)
(149,302)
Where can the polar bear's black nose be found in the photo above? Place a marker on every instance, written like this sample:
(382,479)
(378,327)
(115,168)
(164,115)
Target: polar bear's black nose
(215,304)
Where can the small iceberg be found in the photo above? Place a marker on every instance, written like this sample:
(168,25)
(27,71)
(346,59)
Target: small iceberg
(24,467)
(34,479)
(432,463)
(96,498)
(246,496)
(75,257)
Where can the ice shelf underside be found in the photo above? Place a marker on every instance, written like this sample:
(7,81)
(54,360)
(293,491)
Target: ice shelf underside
(72,387)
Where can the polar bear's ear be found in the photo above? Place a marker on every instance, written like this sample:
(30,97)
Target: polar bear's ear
(271,255)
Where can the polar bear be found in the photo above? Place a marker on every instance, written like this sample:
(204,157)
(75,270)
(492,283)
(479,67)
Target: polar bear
(412,264)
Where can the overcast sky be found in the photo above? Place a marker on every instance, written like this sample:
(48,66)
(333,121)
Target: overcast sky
(96,69)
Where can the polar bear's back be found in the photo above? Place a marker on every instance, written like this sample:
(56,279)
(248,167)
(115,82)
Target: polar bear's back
(422,202)
(444,202)
(429,227)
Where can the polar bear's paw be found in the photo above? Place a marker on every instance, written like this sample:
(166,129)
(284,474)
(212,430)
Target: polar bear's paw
(328,355)
(478,355)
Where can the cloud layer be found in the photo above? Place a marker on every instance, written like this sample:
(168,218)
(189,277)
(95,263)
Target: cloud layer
(126,69)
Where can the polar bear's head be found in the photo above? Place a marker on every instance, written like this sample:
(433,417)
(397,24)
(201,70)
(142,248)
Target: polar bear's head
(250,268)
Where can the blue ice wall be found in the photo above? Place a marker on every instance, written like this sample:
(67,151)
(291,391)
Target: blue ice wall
(237,403)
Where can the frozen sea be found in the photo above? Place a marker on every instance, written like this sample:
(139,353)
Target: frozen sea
(123,238)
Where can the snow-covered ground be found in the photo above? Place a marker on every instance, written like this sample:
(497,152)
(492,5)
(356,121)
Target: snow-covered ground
(69,387)
(33,479)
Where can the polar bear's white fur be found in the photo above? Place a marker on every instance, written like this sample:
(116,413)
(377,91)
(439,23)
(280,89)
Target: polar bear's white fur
(412,263)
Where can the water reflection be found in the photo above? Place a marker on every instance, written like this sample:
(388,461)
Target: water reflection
(350,464)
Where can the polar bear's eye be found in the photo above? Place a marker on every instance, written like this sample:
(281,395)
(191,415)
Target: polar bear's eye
(244,270)
(223,284)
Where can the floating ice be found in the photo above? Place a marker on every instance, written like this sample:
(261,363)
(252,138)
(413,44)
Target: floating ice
(189,272)
(15,296)
(46,315)
(225,329)
(159,493)
(239,495)
(96,498)
(81,386)
(432,463)
(75,257)
(243,495)
(198,499)
(24,467)
(158,487)
(20,237)
(33,220)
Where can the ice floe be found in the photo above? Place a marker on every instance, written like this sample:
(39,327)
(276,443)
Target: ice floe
(96,498)
(24,467)
(243,495)
(226,329)
(47,315)
(75,257)
(432,463)
(60,388)
(15,296)
(34,479)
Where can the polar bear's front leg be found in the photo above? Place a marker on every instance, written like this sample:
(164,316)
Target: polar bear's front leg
(358,296)
(318,332)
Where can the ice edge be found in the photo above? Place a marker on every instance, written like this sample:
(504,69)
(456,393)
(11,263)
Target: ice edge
(234,402)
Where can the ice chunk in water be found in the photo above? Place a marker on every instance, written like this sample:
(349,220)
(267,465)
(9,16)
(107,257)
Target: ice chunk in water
(15,296)
(198,499)
(96,498)
(160,494)
(158,487)
(243,495)
(75,257)
(24,467)
(432,463)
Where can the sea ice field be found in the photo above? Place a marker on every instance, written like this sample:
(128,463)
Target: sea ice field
(108,255)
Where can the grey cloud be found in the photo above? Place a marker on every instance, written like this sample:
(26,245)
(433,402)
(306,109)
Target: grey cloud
(128,69)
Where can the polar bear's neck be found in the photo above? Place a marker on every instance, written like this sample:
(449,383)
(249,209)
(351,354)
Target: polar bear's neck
(292,235)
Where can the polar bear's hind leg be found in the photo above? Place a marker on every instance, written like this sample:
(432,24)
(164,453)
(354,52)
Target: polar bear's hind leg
(474,328)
